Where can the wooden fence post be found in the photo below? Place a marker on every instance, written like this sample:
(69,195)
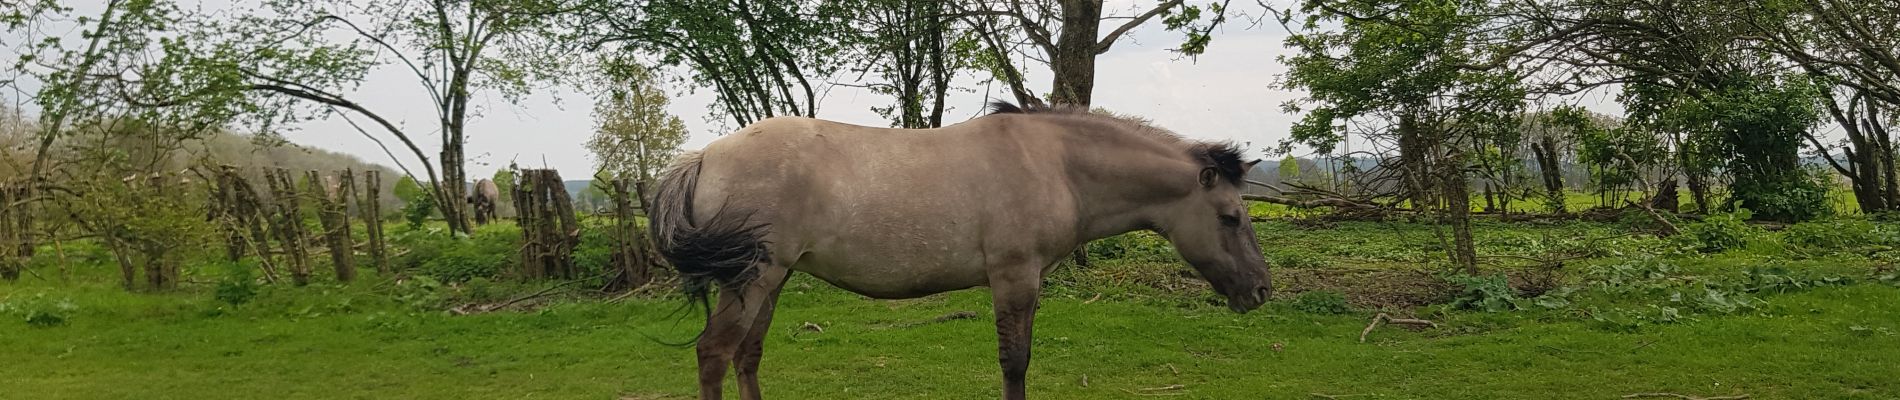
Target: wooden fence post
(289,224)
(569,229)
(10,202)
(631,253)
(334,229)
(525,218)
(549,230)
(373,219)
(249,213)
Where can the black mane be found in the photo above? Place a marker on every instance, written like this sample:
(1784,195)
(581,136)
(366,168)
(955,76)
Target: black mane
(1224,157)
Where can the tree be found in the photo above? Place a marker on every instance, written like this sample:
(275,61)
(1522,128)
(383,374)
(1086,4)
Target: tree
(417,203)
(914,49)
(1399,69)
(762,58)
(1706,74)
(456,49)
(252,66)
(634,135)
(1289,169)
(1850,46)
(1066,36)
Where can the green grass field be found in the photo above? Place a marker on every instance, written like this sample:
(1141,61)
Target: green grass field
(1782,317)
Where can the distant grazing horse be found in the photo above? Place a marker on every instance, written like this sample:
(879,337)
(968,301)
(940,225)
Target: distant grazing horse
(482,198)
(895,214)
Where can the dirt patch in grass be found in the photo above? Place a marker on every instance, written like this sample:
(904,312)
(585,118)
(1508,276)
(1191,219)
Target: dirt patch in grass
(1365,288)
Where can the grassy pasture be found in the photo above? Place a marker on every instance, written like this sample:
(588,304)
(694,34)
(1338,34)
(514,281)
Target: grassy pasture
(1798,314)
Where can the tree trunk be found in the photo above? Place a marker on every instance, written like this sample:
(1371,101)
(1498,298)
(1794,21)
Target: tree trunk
(454,189)
(1666,197)
(1073,62)
(128,272)
(1698,190)
(161,264)
(1415,161)
(1550,164)
(1458,213)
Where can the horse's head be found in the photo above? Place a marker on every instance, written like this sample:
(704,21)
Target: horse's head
(1211,229)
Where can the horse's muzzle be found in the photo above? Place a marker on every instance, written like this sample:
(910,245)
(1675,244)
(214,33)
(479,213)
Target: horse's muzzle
(1250,301)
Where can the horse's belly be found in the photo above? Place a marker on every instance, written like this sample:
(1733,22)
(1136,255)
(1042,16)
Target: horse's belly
(896,275)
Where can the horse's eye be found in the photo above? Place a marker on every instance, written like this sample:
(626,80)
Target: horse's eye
(1229,220)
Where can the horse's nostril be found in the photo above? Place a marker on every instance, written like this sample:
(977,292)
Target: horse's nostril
(1264,293)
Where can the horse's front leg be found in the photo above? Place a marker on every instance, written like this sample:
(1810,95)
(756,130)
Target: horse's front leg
(1015,295)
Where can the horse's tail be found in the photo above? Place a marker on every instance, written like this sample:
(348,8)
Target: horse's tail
(722,250)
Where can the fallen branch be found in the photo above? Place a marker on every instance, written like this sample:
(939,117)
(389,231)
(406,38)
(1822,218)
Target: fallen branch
(1684,397)
(1668,228)
(1323,202)
(1157,391)
(1386,318)
(941,319)
(467,309)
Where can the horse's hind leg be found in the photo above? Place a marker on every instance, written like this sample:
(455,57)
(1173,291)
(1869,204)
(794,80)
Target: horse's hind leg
(753,347)
(727,328)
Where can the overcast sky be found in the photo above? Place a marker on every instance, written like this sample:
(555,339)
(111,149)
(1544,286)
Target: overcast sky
(1229,94)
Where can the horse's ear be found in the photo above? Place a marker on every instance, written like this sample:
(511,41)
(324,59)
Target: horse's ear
(1249,166)
(1209,176)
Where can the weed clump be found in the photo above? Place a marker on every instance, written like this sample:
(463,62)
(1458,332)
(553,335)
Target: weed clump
(40,310)
(1323,302)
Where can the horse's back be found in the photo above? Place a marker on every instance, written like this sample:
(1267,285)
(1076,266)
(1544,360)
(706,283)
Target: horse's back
(884,212)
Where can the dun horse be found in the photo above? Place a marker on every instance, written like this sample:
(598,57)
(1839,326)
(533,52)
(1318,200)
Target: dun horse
(894,214)
(482,197)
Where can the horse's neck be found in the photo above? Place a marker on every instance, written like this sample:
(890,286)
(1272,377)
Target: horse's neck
(1120,187)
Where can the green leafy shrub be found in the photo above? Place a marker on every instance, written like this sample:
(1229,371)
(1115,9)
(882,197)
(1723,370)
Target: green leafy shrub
(1323,302)
(1831,234)
(1133,246)
(1721,231)
(1756,279)
(488,252)
(421,292)
(461,263)
(237,286)
(1800,195)
(1488,293)
(417,204)
(595,253)
(1640,275)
